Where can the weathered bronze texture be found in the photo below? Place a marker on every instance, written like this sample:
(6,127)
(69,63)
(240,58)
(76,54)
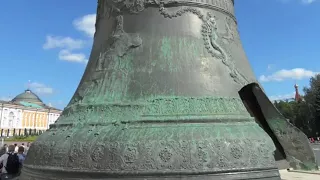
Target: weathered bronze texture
(167,94)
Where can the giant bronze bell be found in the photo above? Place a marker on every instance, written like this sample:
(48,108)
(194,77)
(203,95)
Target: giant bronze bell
(168,94)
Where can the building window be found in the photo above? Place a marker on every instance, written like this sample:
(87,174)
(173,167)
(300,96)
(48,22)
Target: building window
(11,118)
(18,123)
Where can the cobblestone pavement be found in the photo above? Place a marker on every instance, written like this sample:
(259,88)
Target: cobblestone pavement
(285,175)
(283,164)
(316,149)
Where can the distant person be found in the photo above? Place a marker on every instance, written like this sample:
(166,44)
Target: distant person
(16,147)
(11,164)
(311,140)
(26,149)
(4,149)
(21,154)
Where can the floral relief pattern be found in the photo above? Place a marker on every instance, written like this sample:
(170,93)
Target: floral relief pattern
(130,154)
(158,155)
(165,154)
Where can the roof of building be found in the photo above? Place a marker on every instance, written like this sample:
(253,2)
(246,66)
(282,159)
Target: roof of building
(24,103)
(28,100)
(29,97)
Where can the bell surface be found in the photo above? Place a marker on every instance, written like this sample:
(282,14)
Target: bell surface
(168,94)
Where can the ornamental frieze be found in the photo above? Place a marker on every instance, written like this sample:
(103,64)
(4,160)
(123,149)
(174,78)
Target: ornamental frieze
(136,6)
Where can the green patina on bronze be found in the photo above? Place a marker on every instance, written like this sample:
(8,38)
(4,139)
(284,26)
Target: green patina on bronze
(166,55)
(299,155)
(212,143)
(158,101)
(176,52)
(159,108)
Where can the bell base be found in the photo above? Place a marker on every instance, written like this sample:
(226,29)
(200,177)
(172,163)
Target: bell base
(262,174)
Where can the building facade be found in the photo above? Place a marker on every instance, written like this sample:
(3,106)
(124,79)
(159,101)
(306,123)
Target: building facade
(26,114)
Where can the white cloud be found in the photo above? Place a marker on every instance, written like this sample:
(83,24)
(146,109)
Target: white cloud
(63,42)
(282,97)
(284,74)
(308,1)
(66,55)
(86,24)
(66,45)
(40,88)
(301,1)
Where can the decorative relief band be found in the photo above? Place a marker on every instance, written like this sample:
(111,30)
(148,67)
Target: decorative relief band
(193,105)
(171,149)
(224,6)
(168,107)
(136,6)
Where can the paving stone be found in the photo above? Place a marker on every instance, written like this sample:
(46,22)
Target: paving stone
(287,175)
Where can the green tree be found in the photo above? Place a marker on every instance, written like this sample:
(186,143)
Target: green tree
(303,120)
(312,99)
(304,114)
(297,113)
(286,108)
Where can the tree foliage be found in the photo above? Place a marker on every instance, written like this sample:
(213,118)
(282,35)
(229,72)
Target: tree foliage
(304,114)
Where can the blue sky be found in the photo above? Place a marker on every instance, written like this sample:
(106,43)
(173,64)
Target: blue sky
(48,43)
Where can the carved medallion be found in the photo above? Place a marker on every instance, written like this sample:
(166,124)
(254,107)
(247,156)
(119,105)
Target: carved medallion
(98,153)
(165,155)
(236,151)
(130,154)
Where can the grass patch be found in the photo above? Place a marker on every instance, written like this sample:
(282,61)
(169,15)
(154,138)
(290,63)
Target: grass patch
(21,138)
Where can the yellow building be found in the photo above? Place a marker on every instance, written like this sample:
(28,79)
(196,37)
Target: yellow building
(26,113)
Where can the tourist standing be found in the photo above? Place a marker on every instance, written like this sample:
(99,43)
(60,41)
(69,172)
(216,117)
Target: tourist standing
(22,157)
(16,147)
(26,149)
(21,154)
(11,164)
(4,149)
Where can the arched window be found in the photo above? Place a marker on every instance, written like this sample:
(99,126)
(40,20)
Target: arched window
(18,123)
(11,119)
